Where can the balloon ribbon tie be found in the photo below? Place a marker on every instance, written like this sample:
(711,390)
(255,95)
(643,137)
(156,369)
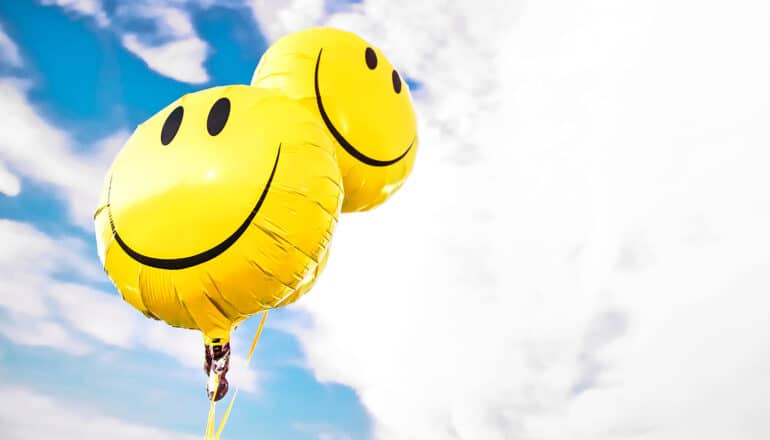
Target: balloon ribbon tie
(210,435)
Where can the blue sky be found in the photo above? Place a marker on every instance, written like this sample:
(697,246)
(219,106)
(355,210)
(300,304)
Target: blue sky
(84,82)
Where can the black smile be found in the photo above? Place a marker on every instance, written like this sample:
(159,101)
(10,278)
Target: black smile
(341,139)
(185,262)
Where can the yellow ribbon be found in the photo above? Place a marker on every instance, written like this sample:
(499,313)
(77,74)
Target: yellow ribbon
(211,419)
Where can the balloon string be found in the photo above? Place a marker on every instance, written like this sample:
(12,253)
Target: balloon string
(211,419)
(210,425)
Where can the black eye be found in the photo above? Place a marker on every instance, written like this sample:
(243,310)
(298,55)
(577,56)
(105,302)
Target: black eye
(171,126)
(218,115)
(371,58)
(396,82)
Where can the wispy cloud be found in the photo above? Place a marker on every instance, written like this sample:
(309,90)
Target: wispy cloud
(91,8)
(580,250)
(9,52)
(33,147)
(10,185)
(9,182)
(36,303)
(175,50)
(26,414)
(278,17)
(179,59)
(21,330)
(169,45)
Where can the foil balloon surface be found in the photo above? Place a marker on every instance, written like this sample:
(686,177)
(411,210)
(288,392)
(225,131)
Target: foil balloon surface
(360,99)
(218,207)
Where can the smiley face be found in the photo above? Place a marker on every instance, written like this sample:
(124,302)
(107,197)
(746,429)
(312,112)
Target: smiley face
(376,140)
(191,160)
(363,101)
(219,206)
(216,121)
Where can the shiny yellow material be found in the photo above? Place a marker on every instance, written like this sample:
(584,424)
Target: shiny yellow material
(359,97)
(217,226)
(309,280)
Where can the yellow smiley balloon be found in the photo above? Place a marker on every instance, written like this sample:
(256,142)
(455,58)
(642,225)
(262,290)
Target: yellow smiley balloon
(362,101)
(220,206)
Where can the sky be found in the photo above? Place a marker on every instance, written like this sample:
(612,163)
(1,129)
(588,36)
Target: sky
(581,251)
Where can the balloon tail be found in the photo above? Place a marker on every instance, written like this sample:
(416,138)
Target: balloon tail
(210,434)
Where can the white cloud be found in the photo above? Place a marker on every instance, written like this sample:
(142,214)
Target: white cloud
(92,8)
(9,183)
(180,59)
(277,17)
(581,251)
(172,47)
(9,53)
(28,263)
(21,330)
(103,317)
(29,255)
(44,153)
(172,21)
(26,414)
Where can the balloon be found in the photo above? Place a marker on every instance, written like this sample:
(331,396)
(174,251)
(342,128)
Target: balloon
(218,207)
(362,101)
